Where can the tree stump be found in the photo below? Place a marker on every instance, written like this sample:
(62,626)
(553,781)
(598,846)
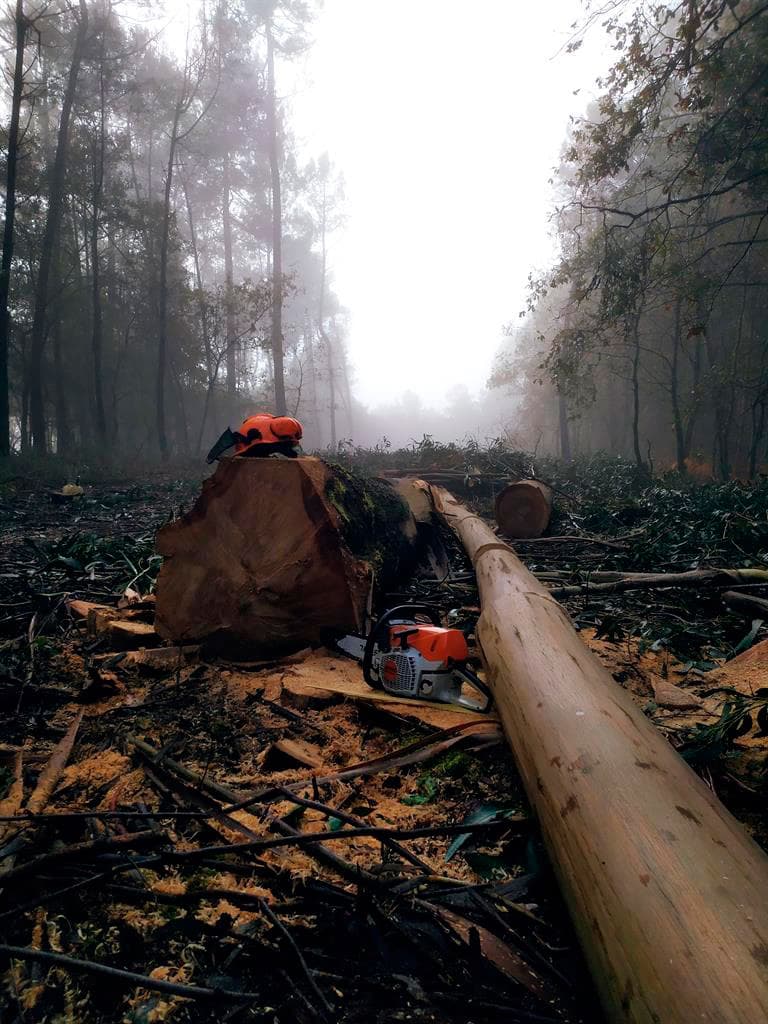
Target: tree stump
(523,509)
(276,552)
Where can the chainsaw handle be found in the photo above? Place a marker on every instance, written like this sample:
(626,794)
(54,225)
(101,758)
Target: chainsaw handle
(479,685)
(381,625)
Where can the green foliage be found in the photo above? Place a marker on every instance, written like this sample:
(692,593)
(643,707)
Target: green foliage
(371,513)
(689,526)
(126,560)
(740,712)
(652,321)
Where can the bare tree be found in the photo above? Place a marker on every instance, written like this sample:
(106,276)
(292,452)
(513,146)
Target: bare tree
(277,230)
(50,234)
(20,24)
(195,70)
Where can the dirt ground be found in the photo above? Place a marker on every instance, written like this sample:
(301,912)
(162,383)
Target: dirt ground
(176,792)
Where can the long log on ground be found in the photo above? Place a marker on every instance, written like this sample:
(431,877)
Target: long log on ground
(659,580)
(665,888)
(276,551)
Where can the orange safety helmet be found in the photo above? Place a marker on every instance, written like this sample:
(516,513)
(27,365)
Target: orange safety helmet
(262,434)
(267,429)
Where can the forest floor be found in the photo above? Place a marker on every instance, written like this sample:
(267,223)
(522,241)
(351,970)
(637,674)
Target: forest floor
(160,810)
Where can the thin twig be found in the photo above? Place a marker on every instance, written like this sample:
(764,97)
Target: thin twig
(275,920)
(139,980)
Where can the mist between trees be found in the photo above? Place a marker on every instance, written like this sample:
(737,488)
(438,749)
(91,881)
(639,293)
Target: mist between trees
(165,251)
(649,337)
(164,264)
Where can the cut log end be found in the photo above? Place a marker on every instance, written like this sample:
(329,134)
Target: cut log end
(523,509)
(277,552)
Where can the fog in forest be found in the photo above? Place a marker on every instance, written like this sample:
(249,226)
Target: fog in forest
(389,220)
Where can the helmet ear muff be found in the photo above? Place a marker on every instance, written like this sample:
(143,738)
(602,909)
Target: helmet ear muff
(253,435)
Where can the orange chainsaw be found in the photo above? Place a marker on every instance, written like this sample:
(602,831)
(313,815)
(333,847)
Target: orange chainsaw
(409,657)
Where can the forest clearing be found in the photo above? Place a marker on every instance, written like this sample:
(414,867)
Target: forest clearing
(384,512)
(124,852)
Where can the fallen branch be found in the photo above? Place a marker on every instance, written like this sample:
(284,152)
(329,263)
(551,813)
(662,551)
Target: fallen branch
(278,924)
(51,817)
(657,581)
(81,851)
(321,853)
(173,988)
(571,539)
(756,607)
(476,734)
(51,774)
(372,831)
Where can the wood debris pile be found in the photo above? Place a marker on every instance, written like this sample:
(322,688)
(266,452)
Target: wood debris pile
(188,838)
(191,840)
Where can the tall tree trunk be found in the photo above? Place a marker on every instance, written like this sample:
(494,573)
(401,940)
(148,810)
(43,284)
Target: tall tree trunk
(321,318)
(182,434)
(8,239)
(211,365)
(309,345)
(52,221)
(758,432)
(695,398)
(63,430)
(162,342)
(347,393)
(720,457)
(331,390)
(97,332)
(277,232)
(565,432)
(727,403)
(24,423)
(674,390)
(636,391)
(229,281)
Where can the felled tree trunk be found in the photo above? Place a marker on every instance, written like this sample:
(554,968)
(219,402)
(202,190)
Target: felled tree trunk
(277,551)
(665,888)
(523,509)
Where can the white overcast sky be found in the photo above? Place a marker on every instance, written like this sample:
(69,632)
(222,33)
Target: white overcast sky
(446,119)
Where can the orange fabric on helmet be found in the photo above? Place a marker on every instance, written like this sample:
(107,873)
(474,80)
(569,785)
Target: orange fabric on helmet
(267,429)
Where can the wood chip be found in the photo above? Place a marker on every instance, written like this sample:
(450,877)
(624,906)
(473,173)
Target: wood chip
(288,753)
(667,695)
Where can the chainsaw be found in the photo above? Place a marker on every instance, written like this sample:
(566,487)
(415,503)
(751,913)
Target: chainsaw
(408,657)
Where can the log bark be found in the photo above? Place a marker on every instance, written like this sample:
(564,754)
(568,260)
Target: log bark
(277,551)
(523,509)
(665,887)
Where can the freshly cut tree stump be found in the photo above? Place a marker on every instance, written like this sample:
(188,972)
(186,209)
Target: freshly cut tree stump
(523,509)
(666,889)
(276,552)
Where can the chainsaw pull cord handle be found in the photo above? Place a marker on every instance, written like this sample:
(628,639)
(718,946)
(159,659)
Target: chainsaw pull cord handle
(381,625)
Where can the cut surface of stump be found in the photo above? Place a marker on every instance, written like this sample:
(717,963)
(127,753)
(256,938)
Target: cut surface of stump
(523,509)
(275,553)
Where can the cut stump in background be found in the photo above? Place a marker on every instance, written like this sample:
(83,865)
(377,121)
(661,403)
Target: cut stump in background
(523,509)
(276,552)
